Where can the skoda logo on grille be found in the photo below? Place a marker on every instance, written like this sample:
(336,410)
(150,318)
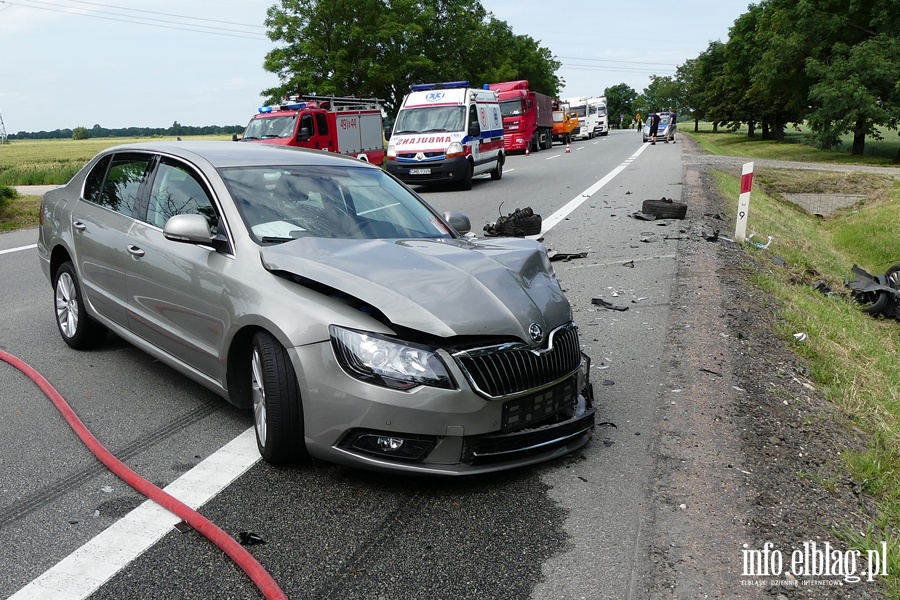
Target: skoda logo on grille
(536,333)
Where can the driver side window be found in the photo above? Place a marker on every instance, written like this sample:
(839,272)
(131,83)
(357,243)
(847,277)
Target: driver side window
(177,191)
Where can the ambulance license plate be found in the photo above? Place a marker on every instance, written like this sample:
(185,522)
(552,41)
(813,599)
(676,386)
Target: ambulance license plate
(420,171)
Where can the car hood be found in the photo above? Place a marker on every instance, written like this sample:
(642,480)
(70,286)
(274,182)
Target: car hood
(443,287)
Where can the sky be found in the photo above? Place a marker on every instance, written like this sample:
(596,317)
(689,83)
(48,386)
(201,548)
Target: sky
(123,63)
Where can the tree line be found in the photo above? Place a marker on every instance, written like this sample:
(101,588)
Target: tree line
(831,65)
(83,133)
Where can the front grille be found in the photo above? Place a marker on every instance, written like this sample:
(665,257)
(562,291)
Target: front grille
(495,448)
(411,156)
(508,369)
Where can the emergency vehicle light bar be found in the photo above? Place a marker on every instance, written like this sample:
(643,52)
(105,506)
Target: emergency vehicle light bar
(422,87)
(291,106)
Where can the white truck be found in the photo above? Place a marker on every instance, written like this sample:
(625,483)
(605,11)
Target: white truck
(589,110)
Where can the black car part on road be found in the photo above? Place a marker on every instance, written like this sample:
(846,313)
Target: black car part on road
(664,208)
(519,223)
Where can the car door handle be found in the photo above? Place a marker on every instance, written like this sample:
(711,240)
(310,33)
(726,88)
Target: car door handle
(135,251)
(79,225)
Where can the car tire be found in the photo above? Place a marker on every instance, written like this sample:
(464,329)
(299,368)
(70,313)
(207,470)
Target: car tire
(275,396)
(466,182)
(78,329)
(892,277)
(497,173)
(880,304)
(664,209)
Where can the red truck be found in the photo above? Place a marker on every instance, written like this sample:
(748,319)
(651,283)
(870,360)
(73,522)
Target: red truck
(351,126)
(527,116)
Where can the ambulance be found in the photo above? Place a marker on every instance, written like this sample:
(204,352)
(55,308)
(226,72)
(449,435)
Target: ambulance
(447,133)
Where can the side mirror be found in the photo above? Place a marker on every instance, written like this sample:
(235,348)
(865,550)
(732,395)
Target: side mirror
(190,229)
(458,221)
(474,129)
(234,137)
(304,134)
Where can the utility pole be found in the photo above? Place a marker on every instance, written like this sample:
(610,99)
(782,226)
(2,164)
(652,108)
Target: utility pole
(2,131)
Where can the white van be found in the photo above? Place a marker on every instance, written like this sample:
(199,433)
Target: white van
(447,133)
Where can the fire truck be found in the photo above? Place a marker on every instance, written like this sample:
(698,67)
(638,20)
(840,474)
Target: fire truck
(345,125)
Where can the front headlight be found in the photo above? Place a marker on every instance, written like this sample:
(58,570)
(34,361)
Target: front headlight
(454,149)
(392,151)
(390,363)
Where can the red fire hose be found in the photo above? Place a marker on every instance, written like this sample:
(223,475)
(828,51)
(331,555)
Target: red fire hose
(225,542)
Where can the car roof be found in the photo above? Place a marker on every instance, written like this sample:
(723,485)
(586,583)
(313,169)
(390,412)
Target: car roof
(234,154)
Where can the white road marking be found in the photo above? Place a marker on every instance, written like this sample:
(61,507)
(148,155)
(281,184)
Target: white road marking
(83,572)
(578,200)
(19,249)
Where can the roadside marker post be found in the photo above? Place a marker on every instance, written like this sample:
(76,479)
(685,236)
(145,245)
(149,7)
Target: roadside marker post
(740,228)
(567,149)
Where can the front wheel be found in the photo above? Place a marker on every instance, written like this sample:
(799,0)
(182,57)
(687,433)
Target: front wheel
(466,182)
(497,173)
(76,327)
(277,411)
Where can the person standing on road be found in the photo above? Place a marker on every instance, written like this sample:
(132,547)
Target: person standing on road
(654,126)
(637,120)
(673,117)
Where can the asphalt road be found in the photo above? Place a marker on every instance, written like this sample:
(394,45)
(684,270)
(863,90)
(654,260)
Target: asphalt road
(573,528)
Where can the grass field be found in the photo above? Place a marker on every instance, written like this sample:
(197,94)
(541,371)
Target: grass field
(853,358)
(49,162)
(795,147)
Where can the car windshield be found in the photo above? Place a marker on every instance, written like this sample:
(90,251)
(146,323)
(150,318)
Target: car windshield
(511,108)
(270,127)
(580,111)
(279,204)
(430,119)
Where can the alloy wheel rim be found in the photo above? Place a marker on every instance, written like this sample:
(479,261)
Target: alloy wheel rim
(66,305)
(259,397)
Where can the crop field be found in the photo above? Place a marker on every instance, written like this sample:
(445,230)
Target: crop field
(50,162)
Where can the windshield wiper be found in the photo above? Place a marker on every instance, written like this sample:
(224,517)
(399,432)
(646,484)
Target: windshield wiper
(405,132)
(434,130)
(271,239)
(249,137)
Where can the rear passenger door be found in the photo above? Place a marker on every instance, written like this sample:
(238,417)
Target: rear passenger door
(101,222)
(176,294)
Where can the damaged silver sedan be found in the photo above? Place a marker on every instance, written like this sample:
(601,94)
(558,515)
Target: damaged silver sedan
(358,324)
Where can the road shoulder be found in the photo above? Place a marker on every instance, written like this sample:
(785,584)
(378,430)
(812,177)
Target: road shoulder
(743,441)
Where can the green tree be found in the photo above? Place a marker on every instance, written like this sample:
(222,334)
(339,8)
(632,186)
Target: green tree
(856,90)
(81,133)
(378,48)
(662,93)
(620,101)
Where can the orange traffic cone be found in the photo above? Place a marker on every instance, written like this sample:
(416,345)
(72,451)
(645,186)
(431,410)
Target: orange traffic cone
(567,149)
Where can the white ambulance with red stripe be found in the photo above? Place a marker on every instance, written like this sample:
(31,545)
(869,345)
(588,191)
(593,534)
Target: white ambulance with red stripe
(447,133)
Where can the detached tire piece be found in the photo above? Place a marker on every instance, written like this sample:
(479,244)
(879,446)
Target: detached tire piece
(277,410)
(76,327)
(664,209)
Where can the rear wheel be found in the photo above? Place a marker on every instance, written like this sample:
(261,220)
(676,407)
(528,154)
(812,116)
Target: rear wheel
(76,327)
(277,410)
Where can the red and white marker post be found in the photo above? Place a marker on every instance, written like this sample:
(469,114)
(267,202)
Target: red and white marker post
(743,210)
